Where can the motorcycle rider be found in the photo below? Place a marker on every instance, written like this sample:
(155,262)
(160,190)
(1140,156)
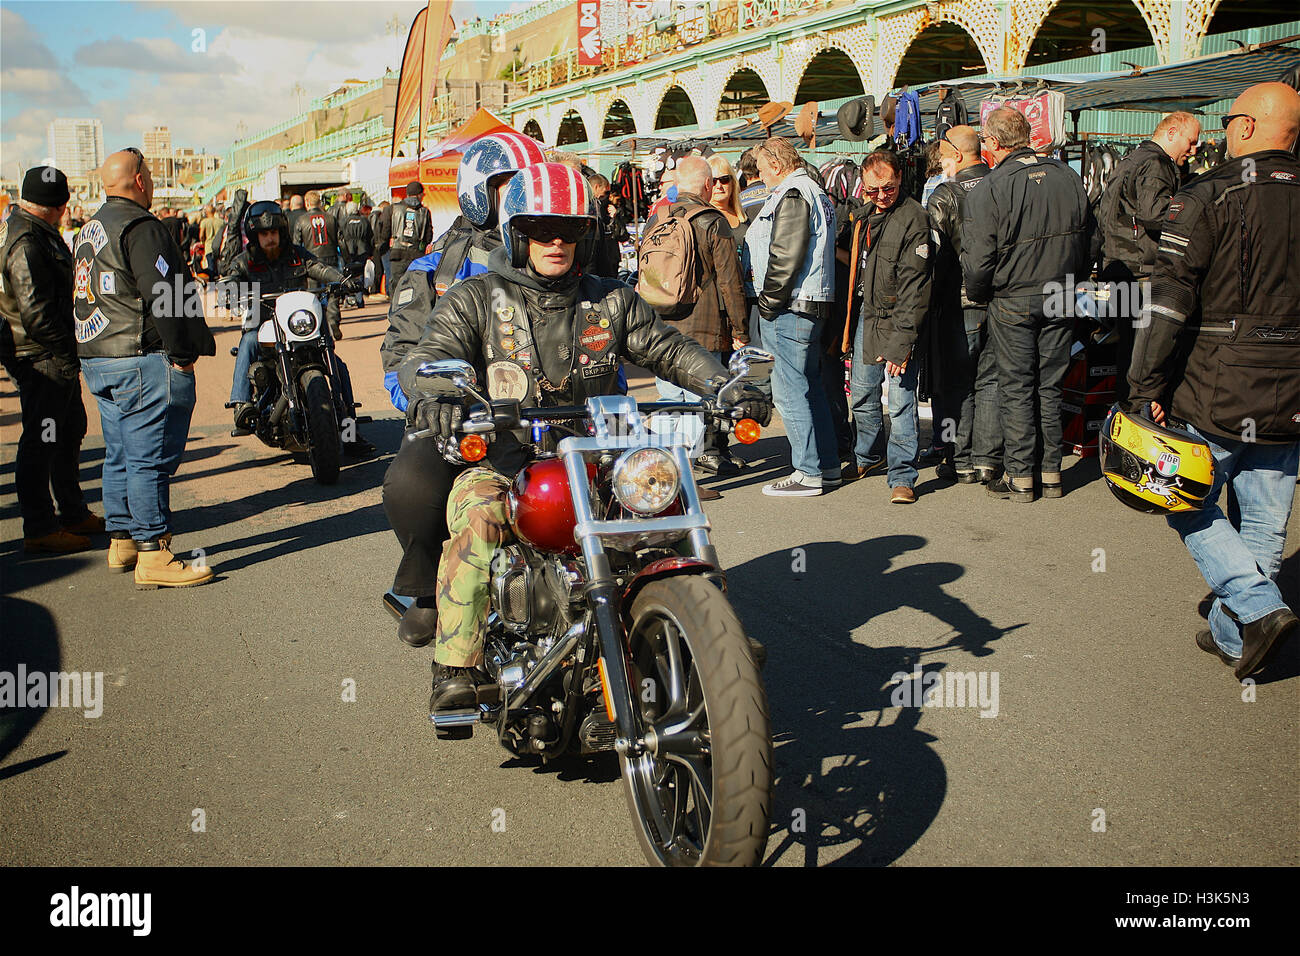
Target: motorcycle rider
(537,321)
(274,264)
(460,252)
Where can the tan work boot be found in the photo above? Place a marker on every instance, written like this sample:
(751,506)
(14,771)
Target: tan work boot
(56,542)
(122,552)
(161,569)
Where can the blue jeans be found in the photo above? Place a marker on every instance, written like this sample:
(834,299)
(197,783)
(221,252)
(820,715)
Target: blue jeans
(1240,559)
(797,391)
(241,389)
(904,419)
(145,404)
(388,273)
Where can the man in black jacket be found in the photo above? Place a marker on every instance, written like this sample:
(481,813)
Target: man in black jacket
(317,232)
(966,404)
(1132,209)
(557,337)
(893,278)
(356,244)
(38,349)
(274,264)
(406,232)
(1222,353)
(140,329)
(1026,228)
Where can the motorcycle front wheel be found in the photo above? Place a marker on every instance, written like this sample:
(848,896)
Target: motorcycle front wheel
(701,791)
(325,451)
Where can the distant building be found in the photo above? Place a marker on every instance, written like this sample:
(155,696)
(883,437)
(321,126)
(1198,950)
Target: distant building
(76,145)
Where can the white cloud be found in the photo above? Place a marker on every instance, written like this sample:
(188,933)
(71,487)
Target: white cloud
(147,55)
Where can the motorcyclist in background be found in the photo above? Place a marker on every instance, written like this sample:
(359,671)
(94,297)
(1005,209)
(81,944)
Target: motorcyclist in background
(274,264)
(460,252)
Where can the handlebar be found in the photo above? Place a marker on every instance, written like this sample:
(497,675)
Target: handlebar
(530,416)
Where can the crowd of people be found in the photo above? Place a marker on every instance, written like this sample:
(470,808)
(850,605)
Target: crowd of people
(950,299)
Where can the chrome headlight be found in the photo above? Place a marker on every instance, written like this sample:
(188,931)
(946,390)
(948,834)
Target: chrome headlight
(647,480)
(302,322)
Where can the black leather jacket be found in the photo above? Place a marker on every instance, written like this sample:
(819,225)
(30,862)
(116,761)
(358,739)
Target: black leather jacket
(574,332)
(288,273)
(1133,207)
(945,210)
(787,249)
(36,286)
(1026,224)
(1224,329)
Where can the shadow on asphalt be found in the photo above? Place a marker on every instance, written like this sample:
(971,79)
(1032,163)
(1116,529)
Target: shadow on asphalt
(845,778)
(30,638)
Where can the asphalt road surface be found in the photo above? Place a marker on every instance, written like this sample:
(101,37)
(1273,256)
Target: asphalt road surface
(1104,736)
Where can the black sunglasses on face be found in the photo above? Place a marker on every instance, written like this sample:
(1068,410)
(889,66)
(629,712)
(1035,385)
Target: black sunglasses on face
(550,228)
(1232,116)
(722,181)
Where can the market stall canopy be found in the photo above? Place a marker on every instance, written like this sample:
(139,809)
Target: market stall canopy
(1189,85)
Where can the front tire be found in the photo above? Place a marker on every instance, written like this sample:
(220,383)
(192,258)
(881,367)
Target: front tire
(711,806)
(324,448)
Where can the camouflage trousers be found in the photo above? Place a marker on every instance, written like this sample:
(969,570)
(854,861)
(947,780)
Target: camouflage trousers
(477,526)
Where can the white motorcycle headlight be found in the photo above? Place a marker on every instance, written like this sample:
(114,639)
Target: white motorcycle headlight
(647,480)
(302,322)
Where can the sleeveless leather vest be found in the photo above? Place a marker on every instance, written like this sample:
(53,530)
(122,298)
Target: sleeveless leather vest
(108,307)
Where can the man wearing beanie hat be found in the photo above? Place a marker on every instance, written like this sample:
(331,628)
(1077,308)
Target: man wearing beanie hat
(406,232)
(39,351)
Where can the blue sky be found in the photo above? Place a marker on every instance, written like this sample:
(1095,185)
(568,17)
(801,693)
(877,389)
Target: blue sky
(132,65)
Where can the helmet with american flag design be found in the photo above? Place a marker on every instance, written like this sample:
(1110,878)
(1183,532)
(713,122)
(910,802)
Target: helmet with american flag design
(547,190)
(487,159)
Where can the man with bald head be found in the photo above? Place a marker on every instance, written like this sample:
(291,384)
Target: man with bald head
(139,330)
(1220,352)
(966,401)
(717,319)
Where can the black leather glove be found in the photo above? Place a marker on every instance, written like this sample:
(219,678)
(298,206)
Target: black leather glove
(353,284)
(753,404)
(440,417)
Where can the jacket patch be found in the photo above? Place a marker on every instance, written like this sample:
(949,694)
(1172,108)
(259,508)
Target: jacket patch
(1284,176)
(595,338)
(599,369)
(91,326)
(923,250)
(81,281)
(161,265)
(107,283)
(405,296)
(94,234)
(507,381)
(1174,209)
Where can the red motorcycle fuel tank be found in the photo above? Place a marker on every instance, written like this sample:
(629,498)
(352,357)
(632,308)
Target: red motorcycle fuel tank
(541,507)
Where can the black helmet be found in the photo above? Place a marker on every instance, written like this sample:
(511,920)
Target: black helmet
(265,214)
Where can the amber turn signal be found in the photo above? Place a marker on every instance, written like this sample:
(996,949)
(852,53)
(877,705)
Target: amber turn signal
(747,431)
(604,688)
(473,448)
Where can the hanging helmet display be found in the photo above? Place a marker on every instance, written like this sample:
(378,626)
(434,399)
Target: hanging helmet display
(486,159)
(1154,469)
(548,191)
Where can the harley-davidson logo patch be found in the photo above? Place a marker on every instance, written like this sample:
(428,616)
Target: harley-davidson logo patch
(595,339)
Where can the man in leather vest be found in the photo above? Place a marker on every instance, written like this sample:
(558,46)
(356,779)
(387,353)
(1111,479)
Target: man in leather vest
(406,233)
(966,407)
(538,330)
(460,252)
(316,231)
(1130,215)
(140,329)
(1221,352)
(791,252)
(892,240)
(39,351)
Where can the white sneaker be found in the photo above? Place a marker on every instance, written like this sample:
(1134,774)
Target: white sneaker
(796,485)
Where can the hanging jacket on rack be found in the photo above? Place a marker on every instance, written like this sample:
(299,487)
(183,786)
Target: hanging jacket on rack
(907,118)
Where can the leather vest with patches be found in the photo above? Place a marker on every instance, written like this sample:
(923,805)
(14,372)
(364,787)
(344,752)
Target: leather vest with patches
(108,307)
(557,356)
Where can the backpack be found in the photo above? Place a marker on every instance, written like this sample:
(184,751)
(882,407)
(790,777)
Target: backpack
(668,262)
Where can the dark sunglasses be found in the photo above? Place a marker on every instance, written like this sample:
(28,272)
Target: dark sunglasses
(882,190)
(722,181)
(550,228)
(1232,116)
